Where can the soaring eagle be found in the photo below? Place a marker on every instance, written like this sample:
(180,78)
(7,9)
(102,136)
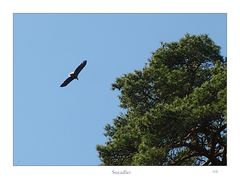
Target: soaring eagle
(74,75)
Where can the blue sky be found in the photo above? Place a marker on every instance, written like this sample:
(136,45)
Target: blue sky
(62,126)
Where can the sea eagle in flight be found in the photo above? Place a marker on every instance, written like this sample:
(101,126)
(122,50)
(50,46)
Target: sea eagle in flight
(74,75)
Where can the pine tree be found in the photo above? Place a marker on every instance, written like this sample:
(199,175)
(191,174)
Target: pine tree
(175,108)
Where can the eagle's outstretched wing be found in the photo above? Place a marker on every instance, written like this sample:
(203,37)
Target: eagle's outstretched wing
(80,67)
(67,81)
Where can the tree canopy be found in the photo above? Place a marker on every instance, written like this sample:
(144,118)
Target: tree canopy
(175,108)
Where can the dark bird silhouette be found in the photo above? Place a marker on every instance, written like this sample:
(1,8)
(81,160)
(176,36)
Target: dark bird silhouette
(74,75)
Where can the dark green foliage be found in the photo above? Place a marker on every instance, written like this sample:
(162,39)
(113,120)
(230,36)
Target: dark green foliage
(175,108)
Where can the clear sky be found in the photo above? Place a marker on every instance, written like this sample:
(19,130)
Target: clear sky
(62,126)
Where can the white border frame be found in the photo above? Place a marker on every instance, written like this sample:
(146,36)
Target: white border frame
(8,7)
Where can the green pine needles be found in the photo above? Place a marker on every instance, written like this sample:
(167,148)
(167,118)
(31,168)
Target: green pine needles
(175,108)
